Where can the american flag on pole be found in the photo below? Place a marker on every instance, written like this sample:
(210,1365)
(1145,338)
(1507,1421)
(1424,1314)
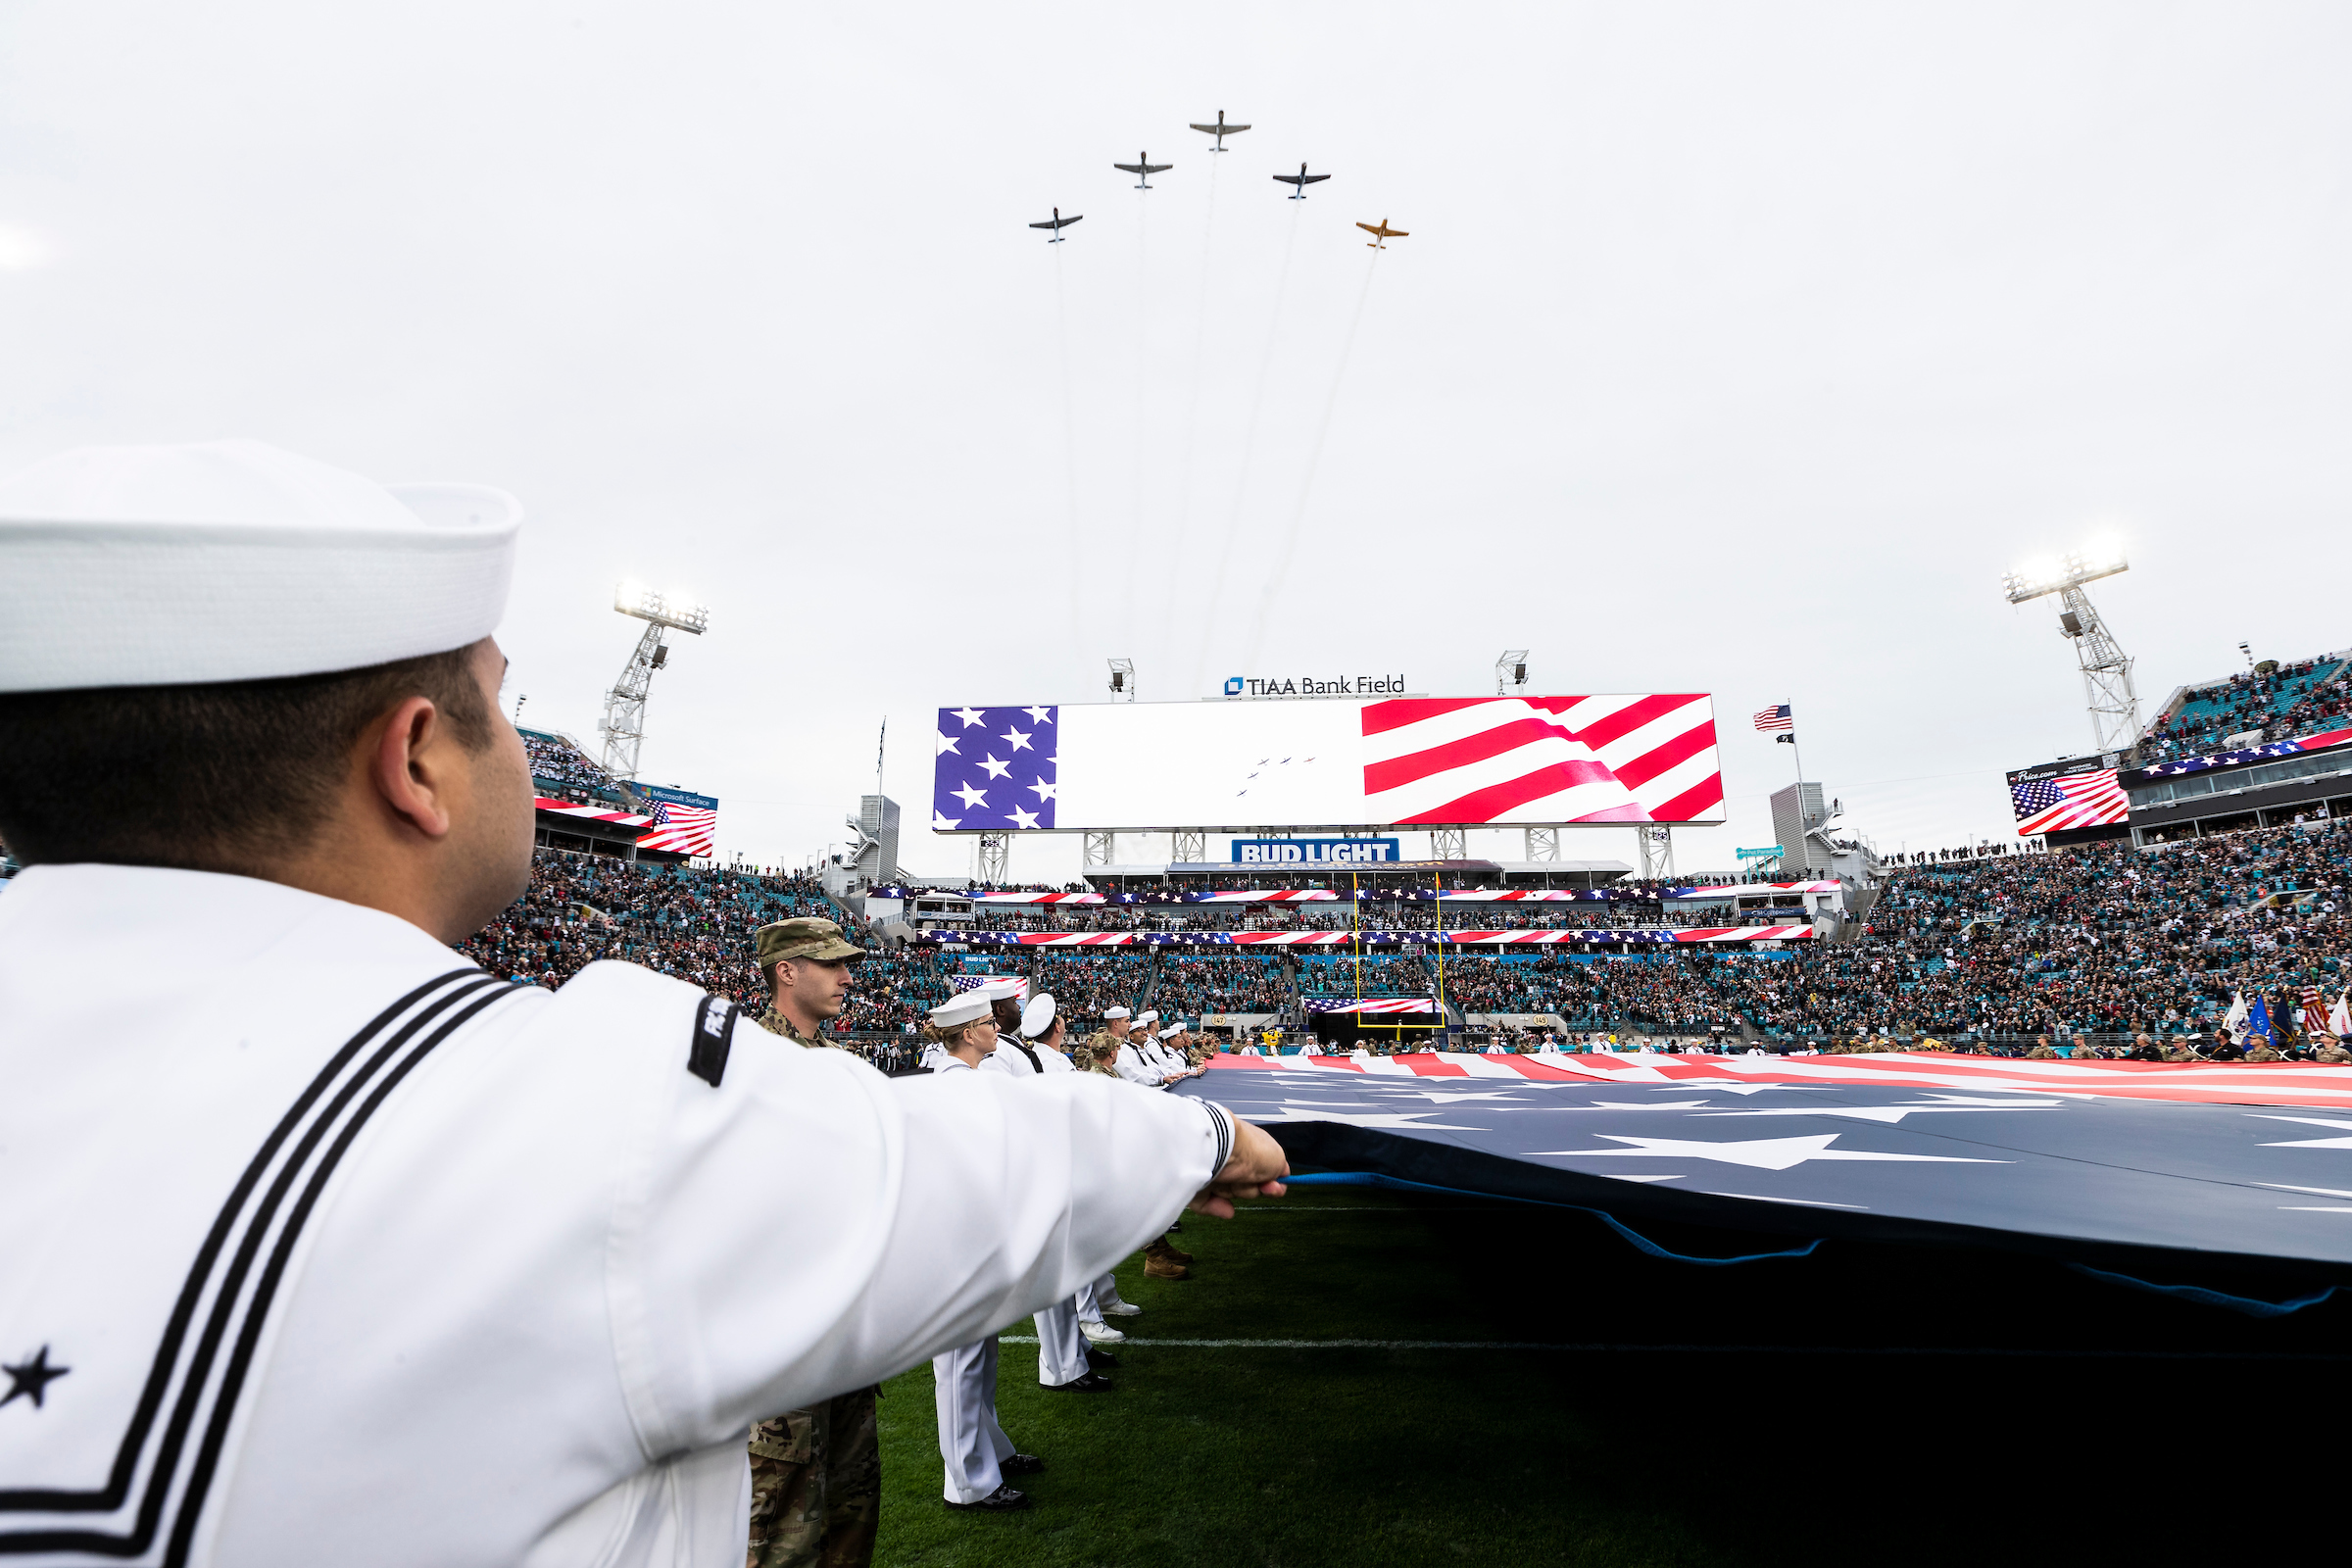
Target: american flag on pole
(1777,718)
(1618,759)
(2069,801)
(681,827)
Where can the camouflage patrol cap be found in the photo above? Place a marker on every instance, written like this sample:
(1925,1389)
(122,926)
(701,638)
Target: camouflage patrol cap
(806,937)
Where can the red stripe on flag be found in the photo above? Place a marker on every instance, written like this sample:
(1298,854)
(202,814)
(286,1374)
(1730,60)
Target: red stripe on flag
(1639,771)
(1484,806)
(1632,717)
(1413,767)
(1695,802)
(1380,718)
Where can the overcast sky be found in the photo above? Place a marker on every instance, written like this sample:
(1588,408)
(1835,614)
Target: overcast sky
(1735,348)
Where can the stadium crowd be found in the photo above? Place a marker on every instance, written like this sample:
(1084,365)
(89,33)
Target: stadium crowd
(555,760)
(2101,939)
(2269,703)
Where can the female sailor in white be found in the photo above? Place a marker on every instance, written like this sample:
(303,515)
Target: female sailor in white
(1032,1050)
(978,1455)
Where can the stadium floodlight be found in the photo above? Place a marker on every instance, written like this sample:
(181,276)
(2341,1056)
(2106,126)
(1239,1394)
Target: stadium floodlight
(624,705)
(2107,688)
(1122,680)
(673,610)
(1510,671)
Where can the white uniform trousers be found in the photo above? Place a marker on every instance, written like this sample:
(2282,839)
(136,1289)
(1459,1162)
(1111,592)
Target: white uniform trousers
(970,1442)
(1060,1346)
(1106,1294)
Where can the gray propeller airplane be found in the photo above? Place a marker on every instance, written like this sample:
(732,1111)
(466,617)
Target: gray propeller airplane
(1057,224)
(1144,168)
(1301,180)
(1220,130)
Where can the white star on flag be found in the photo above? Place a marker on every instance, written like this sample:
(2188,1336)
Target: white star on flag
(941,824)
(1763,1154)
(1312,1113)
(971,797)
(947,742)
(2312,1143)
(1021,818)
(1016,739)
(1039,716)
(1045,791)
(996,769)
(1891,1114)
(969,716)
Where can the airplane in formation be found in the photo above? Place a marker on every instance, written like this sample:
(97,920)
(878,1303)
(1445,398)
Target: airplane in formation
(1144,168)
(1381,233)
(1220,130)
(1301,180)
(1057,224)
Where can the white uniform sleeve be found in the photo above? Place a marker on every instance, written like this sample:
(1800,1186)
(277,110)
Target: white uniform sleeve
(806,1226)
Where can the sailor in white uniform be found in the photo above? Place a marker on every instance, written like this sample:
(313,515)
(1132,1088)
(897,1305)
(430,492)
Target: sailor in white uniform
(321,1243)
(972,1446)
(1140,1060)
(1065,1361)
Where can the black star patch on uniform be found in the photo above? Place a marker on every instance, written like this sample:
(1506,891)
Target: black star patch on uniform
(32,1378)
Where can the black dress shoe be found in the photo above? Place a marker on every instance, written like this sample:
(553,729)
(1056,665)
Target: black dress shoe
(1021,1464)
(1096,1358)
(1089,1382)
(998,1501)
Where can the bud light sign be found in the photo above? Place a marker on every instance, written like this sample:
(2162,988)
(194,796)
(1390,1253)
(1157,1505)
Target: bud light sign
(1313,851)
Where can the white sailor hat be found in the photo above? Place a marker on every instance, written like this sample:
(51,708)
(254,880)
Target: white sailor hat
(1146,1016)
(1037,1019)
(1171,1031)
(969,1007)
(998,989)
(230,560)
(1110,1015)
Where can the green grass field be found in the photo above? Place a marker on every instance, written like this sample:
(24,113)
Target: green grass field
(1767,1413)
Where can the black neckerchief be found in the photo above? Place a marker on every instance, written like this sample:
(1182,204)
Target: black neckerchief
(1034,1066)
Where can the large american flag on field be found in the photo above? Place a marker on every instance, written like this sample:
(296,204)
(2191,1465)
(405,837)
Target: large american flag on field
(1616,758)
(682,829)
(2069,801)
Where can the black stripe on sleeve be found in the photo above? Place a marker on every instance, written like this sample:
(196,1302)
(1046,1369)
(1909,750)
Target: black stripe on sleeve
(713,1036)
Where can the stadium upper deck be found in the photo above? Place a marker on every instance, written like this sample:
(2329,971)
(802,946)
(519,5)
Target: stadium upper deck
(2253,707)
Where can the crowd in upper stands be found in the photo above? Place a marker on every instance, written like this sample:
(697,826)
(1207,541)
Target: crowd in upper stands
(2268,702)
(556,760)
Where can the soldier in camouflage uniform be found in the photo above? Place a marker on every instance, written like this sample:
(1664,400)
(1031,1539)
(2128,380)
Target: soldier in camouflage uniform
(816,1474)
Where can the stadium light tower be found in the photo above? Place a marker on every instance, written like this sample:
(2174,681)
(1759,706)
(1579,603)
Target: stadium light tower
(624,703)
(1122,680)
(1510,673)
(2106,668)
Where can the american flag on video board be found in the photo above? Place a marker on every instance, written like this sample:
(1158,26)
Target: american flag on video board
(1773,718)
(2069,801)
(1617,758)
(682,829)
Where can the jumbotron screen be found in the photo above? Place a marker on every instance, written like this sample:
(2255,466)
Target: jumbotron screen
(1407,761)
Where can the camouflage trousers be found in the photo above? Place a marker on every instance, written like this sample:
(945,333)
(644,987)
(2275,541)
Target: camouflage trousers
(816,1486)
